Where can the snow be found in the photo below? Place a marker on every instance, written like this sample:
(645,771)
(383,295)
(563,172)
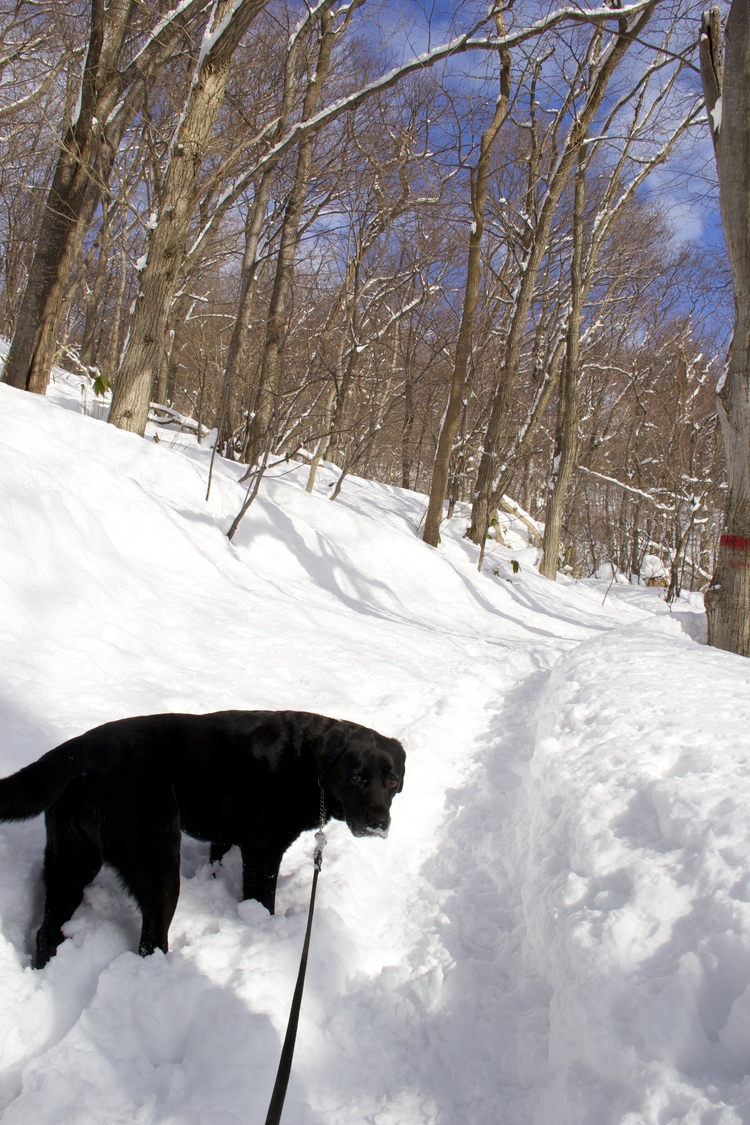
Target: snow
(557,928)
(215,28)
(652,567)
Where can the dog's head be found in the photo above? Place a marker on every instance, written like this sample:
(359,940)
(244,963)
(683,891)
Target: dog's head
(361,772)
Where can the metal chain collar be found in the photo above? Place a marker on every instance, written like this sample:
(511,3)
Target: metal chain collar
(320,836)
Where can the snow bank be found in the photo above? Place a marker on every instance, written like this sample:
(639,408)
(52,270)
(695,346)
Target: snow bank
(556,928)
(637,893)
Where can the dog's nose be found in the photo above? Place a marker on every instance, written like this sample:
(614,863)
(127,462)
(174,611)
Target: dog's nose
(379,822)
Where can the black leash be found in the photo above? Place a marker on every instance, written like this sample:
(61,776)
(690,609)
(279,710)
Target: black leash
(273,1116)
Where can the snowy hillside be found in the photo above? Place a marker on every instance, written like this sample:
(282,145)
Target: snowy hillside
(557,929)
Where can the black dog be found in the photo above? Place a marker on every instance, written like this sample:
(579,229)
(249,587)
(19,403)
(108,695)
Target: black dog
(122,793)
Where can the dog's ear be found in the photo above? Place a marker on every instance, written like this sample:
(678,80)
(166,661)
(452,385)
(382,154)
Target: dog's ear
(399,759)
(327,747)
(403,767)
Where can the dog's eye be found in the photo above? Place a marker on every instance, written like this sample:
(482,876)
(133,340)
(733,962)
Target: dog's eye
(391,781)
(359,779)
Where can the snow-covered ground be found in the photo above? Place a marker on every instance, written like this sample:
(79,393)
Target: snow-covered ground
(557,929)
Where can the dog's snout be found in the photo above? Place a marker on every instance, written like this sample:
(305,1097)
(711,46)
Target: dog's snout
(379,821)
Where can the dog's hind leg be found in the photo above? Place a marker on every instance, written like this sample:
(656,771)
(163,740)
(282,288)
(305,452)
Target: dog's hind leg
(157,896)
(218,851)
(150,869)
(260,871)
(71,860)
(141,840)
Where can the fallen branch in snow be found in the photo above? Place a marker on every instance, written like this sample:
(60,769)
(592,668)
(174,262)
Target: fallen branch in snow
(167,416)
(518,513)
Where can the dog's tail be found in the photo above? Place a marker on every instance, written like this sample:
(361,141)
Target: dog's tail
(35,787)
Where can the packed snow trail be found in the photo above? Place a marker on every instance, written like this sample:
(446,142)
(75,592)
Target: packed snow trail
(536,913)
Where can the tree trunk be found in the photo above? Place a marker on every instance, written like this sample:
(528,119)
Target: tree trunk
(93,301)
(255,219)
(454,410)
(166,242)
(409,416)
(243,320)
(165,391)
(82,173)
(114,342)
(273,347)
(566,452)
(28,365)
(323,439)
(728,104)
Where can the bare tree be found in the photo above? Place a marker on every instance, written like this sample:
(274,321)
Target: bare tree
(566,453)
(726,83)
(637,163)
(595,71)
(109,97)
(478,183)
(159,275)
(650,483)
(333,25)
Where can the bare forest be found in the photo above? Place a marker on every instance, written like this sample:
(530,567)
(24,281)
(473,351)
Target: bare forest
(439,246)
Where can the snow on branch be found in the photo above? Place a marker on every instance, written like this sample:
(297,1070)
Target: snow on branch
(162,30)
(391,320)
(628,488)
(469,41)
(40,91)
